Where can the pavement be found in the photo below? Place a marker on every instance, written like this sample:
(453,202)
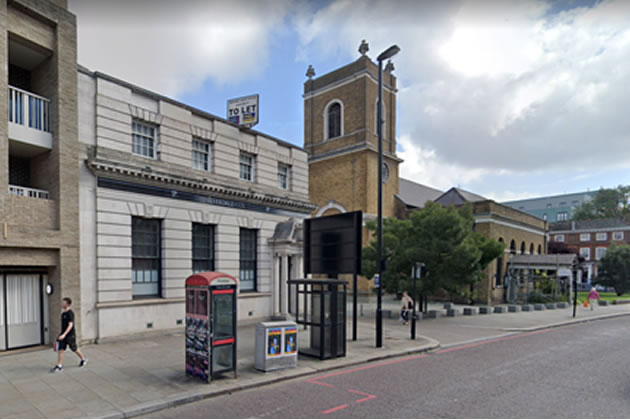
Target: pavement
(571,372)
(131,376)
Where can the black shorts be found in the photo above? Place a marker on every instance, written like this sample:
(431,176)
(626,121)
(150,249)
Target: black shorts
(69,341)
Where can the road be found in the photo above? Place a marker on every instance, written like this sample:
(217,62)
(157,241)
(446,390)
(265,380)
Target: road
(576,372)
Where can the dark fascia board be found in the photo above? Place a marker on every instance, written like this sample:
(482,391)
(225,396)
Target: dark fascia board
(192,109)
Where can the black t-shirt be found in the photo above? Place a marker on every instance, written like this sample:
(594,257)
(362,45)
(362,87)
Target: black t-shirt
(66,318)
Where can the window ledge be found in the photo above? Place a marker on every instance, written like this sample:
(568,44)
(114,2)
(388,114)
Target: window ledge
(251,295)
(140,302)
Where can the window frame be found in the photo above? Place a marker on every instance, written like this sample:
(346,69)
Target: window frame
(601,236)
(562,216)
(197,152)
(136,149)
(138,260)
(326,124)
(210,259)
(559,237)
(246,262)
(585,235)
(287,176)
(252,166)
(599,249)
(586,255)
(620,232)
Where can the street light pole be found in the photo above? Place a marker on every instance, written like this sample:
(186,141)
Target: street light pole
(388,53)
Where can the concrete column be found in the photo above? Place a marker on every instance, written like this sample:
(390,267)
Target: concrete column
(275,283)
(284,285)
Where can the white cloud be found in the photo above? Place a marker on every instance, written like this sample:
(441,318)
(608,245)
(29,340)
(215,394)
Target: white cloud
(173,47)
(494,87)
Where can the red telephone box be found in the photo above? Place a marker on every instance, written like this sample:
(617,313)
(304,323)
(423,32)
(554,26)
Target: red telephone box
(210,325)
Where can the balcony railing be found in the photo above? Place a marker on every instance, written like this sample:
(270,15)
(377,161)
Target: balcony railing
(29,110)
(28,192)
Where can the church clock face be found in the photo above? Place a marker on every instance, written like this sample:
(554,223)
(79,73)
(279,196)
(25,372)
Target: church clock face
(385,172)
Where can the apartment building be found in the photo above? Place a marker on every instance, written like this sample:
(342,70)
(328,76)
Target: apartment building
(39,240)
(167,190)
(554,208)
(589,239)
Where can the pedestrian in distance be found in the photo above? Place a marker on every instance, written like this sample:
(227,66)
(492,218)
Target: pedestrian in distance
(67,338)
(407,303)
(592,297)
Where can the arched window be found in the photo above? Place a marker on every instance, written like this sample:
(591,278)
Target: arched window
(531,249)
(523,247)
(498,277)
(512,247)
(539,249)
(333,120)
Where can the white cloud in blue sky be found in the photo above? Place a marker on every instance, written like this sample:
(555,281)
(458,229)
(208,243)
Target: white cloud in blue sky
(507,99)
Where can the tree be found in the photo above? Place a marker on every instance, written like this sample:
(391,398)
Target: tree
(614,269)
(607,203)
(440,237)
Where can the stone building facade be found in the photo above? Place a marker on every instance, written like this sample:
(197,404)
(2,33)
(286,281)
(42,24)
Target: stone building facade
(39,212)
(202,193)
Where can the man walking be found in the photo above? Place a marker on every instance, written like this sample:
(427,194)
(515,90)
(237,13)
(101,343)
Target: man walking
(67,338)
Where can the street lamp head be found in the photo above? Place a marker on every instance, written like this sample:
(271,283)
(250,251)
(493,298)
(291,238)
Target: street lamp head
(388,53)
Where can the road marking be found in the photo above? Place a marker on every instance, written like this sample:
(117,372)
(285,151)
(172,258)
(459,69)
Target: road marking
(366,395)
(495,340)
(319,383)
(332,410)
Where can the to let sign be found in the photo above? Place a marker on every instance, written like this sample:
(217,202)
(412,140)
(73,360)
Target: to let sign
(243,111)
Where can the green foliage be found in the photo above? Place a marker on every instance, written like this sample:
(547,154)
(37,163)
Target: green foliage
(614,269)
(440,237)
(607,203)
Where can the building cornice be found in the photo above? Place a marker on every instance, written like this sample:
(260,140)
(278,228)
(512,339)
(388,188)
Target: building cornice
(102,168)
(345,81)
(494,218)
(608,229)
(352,149)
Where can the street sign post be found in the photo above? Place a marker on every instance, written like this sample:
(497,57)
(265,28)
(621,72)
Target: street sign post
(416,273)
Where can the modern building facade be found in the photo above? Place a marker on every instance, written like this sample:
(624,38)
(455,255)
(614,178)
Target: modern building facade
(556,208)
(590,239)
(167,190)
(39,240)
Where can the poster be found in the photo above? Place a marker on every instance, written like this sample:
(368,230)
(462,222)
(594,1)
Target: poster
(274,342)
(290,340)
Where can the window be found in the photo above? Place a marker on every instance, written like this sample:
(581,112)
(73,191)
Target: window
(617,236)
(575,203)
(558,238)
(545,216)
(284,176)
(201,155)
(599,253)
(548,205)
(539,249)
(146,257)
(383,115)
(586,253)
(333,116)
(601,236)
(247,167)
(203,247)
(563,204)
(144,139)
(585,237)
(248,259)
(386,173)
(562,216)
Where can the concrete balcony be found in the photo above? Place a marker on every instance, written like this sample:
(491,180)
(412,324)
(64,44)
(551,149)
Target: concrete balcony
(29,122)
(28,192)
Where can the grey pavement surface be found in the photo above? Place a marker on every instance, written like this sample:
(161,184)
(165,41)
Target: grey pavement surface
(135,375)
(571,372)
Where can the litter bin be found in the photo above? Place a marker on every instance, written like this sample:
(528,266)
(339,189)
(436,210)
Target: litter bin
(210,325)
(276,345)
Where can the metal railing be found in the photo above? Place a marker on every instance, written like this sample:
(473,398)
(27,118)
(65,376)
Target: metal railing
(28,192)
(28,109)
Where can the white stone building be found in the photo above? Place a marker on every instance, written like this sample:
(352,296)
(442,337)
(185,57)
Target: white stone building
(165,190)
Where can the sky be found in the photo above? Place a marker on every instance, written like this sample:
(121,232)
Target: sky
(508,99)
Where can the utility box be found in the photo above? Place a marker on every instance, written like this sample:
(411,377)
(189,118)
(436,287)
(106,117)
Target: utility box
(276,345)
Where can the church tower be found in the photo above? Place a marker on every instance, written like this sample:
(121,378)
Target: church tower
(340,137)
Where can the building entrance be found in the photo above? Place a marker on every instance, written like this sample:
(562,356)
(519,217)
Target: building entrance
(21,310)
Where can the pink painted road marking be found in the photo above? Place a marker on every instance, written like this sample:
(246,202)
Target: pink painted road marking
(366,395)
(320,383)
(332,410)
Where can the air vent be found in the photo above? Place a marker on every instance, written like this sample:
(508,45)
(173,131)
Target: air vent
(179,322)
(150,325)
